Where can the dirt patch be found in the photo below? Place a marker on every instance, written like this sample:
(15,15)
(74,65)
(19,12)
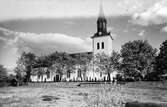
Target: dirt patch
(83,94)
(50,98)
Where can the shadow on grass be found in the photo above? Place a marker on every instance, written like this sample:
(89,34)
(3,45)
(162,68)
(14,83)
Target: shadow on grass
(141,104)
(83,94)
(50,98)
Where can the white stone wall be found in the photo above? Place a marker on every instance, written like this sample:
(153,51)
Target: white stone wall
(43,77)
(90,74)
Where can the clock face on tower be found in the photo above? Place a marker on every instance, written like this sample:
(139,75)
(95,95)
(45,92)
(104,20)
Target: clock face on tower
(100,33)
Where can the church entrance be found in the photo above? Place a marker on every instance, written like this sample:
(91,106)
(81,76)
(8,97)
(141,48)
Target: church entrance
(57,78)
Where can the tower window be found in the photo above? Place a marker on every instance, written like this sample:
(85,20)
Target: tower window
(102,45)
(98,46)
(101,25)
(104,25)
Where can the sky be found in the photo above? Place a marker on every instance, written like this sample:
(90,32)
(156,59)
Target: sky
(45,26)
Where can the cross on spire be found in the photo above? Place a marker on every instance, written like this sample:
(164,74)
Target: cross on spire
(101,12)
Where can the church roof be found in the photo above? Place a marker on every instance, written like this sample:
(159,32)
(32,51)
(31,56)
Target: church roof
(81,53)
(102,35)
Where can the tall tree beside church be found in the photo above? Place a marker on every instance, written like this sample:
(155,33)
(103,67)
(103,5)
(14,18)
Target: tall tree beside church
(138,57)
(161,59)
(107,63)
(25,64)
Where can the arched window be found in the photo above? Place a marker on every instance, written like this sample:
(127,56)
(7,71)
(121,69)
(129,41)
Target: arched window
(48,74)
(104,25)
(102,45)
(79,73)
(68,74)
(98,46)
(100,74)
(101,24)
(38,76)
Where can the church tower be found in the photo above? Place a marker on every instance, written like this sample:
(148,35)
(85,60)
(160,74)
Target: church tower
(102,40)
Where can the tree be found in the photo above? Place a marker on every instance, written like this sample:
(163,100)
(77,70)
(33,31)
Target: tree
(107,63)
(138,57)
(25,64)
(161,59)
(60,61)
(83,60)
(43,61)
(70,64)
(20,74)
(3,73)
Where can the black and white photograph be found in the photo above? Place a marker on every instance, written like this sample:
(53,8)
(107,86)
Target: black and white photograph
(83,53)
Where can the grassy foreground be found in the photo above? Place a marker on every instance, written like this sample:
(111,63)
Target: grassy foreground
(92,96)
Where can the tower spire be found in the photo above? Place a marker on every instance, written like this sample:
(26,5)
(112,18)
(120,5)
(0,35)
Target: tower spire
(101,22)
(101,12)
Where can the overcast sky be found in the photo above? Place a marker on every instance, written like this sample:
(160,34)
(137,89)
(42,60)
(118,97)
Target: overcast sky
(43,26)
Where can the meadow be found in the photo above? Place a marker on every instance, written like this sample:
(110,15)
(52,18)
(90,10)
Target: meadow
(71,95)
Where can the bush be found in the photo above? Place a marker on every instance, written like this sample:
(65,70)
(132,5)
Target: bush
(119,77)
(161,59)
(140,104)
(153,76)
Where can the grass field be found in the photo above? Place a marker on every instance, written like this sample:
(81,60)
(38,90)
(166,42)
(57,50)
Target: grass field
(85,96)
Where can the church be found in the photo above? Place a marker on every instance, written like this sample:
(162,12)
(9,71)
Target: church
(101,43)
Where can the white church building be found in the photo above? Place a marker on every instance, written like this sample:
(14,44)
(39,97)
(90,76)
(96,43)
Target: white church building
(101,43)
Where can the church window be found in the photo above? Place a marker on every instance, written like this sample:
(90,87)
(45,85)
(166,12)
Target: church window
(38,76)
(68,74)
(100,74)
(102,45)
(98,46)
(79,73)
(48,74)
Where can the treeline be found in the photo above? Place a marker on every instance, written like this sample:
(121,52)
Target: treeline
(3,75)
(59,62)
(137,59)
